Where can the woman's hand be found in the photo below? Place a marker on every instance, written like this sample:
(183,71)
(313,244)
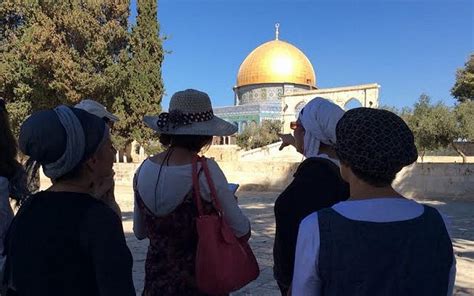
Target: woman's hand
(106,185)
(287,140)
(105,192)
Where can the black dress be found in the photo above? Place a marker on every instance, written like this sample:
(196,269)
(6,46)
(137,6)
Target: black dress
(317,184)
(63,243)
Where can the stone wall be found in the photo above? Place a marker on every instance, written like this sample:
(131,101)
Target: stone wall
(223,152)
(421,180)
(437,180)
(366,94)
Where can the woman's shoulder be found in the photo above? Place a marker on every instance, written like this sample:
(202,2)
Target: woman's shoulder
(317,161)
(212,164)
(214,168)
(3,183)
(75,199)
(316,166)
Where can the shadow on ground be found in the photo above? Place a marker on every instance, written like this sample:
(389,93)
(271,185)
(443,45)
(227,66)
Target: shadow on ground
(258,206)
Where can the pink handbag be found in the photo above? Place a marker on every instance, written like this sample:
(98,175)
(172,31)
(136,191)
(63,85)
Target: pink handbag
(224,263)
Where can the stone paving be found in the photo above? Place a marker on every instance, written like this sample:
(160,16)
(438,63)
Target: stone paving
(258,206)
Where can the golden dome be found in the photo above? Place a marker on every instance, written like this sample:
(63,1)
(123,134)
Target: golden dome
(276,61)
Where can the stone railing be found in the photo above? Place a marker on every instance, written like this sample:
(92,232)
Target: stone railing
(430,180)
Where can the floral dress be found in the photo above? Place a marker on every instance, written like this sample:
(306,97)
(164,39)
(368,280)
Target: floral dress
(170,262)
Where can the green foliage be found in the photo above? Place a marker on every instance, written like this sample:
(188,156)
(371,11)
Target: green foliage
(144,90)
(18,111)
(465,116)
(259,136)
(434,126)
(463,89)
(58,52)
(404,112)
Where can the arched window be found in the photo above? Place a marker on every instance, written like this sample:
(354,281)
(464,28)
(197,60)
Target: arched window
(352,103)
(298,108)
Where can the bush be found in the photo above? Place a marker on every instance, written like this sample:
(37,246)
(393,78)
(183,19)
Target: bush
(435,126)
(259,136)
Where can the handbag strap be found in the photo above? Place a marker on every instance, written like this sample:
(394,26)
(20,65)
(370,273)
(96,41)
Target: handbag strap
(210,183)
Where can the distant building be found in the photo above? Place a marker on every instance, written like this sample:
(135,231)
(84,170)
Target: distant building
(276,80)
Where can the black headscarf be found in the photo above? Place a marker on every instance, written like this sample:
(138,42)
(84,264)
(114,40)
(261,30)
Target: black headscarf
(375,142)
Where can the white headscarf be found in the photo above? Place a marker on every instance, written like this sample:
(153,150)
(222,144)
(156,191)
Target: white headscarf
(319,118)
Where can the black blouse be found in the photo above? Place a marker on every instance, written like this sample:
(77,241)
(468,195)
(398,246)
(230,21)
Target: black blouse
(317,184)
(64,243)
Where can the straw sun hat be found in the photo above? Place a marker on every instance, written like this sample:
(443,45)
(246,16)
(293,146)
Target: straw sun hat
(190,113)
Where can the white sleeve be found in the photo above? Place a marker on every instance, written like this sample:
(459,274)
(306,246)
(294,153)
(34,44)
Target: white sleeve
(306,280)
(237,221)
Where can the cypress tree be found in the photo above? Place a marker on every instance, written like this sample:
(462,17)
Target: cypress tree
(144,91)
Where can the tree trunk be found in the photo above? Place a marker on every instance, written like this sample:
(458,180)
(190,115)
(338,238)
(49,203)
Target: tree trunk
(459,151)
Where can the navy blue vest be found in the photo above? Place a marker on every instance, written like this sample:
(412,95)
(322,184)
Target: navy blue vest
(411,257)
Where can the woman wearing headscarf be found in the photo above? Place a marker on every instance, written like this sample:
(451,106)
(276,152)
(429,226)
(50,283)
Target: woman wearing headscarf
(317,182)
(378,242)
(65,241)
(99,110)
(12,177)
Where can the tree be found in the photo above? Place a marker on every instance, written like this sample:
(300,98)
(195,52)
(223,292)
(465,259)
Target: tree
(463,89)
(434,126)
(59,52)
(144,91)
(465,116)
(259,136)
(404,112)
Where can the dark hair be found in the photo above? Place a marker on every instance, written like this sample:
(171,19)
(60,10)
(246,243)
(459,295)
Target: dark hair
(374,179)
(8,147)
(194,143)
(10,168)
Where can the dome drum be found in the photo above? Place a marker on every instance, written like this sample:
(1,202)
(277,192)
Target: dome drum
(269,92)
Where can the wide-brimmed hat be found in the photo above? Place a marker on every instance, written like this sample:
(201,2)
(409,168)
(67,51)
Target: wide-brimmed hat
(190,113)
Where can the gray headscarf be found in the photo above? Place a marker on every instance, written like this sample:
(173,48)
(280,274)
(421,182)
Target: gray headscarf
(75,144)
(62,138)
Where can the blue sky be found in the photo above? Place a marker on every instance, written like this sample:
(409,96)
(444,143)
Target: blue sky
(408,47)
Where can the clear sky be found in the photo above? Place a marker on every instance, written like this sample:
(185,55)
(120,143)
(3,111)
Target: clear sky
(409,47)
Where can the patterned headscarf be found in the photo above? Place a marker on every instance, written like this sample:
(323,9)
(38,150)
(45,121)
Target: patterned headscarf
(375,142)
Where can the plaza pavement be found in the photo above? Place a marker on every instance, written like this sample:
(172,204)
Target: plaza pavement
(258,206)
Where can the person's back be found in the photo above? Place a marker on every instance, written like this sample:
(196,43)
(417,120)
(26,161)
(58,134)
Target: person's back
(317,184)
(69,243)
(377,242)
(165,210)
(406,257)
(168,218)
(64,241)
